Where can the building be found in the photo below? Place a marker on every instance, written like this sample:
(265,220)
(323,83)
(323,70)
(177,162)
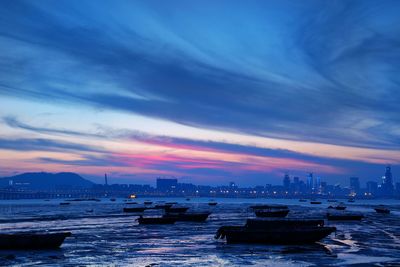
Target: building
(354,185)
(164,185)
(310,182)
(387,186)
(286,182)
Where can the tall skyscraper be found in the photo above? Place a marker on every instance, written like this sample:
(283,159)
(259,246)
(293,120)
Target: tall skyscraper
(387,182)
(310,182)
(286,182)
(372,188)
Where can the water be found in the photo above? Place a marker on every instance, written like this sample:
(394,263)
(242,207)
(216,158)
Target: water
(107,237)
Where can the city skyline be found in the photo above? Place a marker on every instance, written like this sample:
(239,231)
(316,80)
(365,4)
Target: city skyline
(208,93)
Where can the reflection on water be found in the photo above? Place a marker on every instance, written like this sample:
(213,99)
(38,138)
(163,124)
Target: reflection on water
(106,236)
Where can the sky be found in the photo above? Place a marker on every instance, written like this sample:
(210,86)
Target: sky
(204,91)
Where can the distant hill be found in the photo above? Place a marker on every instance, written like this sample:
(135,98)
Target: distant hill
(46,181)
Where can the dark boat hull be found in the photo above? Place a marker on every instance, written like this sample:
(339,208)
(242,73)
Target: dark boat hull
(212,204)
(263,207)
(32,240)
(277,236)
(383,211)
(272,213)
(315,202)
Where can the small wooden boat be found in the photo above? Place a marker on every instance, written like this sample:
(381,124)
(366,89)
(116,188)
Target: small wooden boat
(134,209)
(272,213)
(263,207)
(278,231)
(344,217)
(382,209)
(274,236)
(156,220)
(176,209)
(315,202)
(64,203)
(148,202)
(32,240)
(212,203)
(189,217)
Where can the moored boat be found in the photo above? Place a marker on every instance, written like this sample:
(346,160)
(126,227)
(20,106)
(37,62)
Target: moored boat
(31,240)
(278,231)
(338,207)
(212,203)
(64,203)
(315,202)
(331,200)
(382,209)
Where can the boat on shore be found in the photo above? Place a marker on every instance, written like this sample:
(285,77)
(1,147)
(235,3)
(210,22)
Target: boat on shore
(156,220)
(272,213)
(32,240)
(382,209)
(344,217)
(278,231)
(189,217)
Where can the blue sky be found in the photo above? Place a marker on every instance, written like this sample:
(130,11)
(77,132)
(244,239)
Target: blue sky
(210,91)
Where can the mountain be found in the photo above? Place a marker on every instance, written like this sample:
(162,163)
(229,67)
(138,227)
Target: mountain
(46,181)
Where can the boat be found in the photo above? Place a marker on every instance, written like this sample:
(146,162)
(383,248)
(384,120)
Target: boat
(212,203)
(131,203)
(315,202)
(148,202)
(332,200)
(263,207)
(64,203)
(176,209)
(112,199)
(382,209)
(279,231)
(344,217)
(156,220)
(272,213)
(32,240)
(135,209)
(338,207)
(171,203)
(302,200)
(189,217)
(188,199)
